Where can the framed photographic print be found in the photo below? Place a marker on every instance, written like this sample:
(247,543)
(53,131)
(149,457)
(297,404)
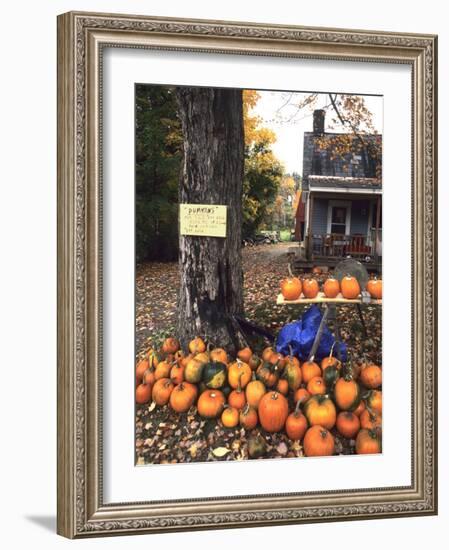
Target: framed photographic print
(247,274)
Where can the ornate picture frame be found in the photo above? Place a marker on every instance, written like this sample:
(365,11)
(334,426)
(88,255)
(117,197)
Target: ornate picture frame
(82,37)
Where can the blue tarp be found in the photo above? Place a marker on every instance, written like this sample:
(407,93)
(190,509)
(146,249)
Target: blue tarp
(300,335)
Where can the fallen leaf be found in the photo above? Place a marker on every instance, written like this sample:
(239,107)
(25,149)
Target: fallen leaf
(220,451)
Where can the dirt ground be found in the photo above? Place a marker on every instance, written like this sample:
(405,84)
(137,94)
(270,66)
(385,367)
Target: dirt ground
(163,436)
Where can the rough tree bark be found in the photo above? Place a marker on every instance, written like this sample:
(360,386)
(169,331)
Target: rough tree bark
(211,281)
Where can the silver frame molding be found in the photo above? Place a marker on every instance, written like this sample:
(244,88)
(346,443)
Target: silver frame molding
(81,37)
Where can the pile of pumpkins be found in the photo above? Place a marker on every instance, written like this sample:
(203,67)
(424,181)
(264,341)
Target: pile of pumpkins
(292,287)
(306,400)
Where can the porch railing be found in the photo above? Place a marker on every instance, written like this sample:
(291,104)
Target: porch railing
(334,245)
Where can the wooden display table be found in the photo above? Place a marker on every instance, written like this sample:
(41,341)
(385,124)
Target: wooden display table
(322,299)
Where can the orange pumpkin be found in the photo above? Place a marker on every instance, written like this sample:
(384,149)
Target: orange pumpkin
(368,442)
(360,408)
(320,411)
(239,373)
(330,361)
(248,418)
(273,411)
(277,359)
(177,373)
(141,368)
(162,370)
(254,362)
(309,370)
(211,403)
(268,374)
(301,395)
(170,345)
(197,345)
(237,398)
(254,391)
(143,393)
(162,390)
(245,354)
(282,386)
(350,287)
(331,287)
(310,288)
(219,355)
(296,424)
(374,287)
(347,393)
(183,397)
(374,401)
(316,386)
(186,358)
(266,354)
(291,288)
(370,420)
(371,376)
(348,424)
(230,417)
(318,442)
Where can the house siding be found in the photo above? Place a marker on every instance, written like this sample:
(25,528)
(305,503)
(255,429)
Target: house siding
(319,218)
(359,217)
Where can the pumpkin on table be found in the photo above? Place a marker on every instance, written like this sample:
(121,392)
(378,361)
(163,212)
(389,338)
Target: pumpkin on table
(310,288)
(331,287)
(291,287)
(273,411)
(374,287)
(350,288)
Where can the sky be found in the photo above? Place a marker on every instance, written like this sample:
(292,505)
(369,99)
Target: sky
(289,124)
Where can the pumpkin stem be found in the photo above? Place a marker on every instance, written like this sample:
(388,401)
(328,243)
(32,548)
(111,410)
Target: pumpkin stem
(332,349)
(274,395)
(239,383)
(298,404)
(289,267)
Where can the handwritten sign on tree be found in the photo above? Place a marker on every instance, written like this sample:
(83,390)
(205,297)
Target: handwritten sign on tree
(203,220)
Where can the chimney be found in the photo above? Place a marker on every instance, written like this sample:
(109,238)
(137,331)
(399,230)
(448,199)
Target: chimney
(318,121)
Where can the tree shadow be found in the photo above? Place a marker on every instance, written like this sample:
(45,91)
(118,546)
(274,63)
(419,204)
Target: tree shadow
(46,522)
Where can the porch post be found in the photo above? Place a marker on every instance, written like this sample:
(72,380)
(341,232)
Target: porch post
(309,228)
(376,231)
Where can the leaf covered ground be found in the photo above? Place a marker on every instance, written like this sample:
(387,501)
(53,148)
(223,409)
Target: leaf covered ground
(163,436)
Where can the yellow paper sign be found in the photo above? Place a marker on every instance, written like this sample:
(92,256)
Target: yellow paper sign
(203,220)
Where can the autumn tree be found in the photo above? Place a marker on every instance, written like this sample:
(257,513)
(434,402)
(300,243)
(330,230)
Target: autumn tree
(263,172)
(211,276)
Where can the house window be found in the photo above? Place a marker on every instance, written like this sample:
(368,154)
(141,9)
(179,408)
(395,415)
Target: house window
(338,220)
(339,217)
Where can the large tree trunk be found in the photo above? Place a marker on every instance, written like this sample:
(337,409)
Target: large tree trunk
(212,173)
